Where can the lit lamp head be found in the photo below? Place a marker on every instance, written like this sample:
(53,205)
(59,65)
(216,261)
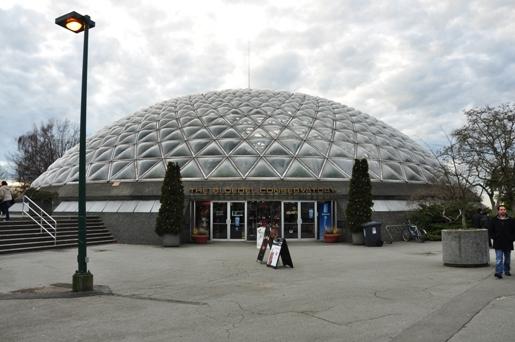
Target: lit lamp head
(75,22)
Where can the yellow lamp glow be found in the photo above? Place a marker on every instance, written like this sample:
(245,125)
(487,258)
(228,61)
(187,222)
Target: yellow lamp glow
(74,25)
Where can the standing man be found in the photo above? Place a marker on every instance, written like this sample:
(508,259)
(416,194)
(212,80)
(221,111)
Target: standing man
(5,199)
(502,231)
(476,218)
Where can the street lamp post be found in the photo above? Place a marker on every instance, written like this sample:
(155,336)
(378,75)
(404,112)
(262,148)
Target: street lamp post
(82,279)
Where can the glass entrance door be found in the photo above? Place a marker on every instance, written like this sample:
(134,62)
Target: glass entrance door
(237,221)
(299,220)
(228,220)
(219,220)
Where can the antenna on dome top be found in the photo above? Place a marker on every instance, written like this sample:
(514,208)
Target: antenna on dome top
(249,63)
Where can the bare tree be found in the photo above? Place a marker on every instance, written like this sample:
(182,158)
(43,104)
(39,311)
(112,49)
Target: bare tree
(3,173)
(487,142)
(39,148)
(454,182)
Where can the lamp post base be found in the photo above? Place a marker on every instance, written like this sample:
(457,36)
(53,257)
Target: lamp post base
(82,282)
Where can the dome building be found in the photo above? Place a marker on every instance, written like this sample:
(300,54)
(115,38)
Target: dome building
(248,158)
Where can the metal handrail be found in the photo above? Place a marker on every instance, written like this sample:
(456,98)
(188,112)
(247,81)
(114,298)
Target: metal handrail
(42,219)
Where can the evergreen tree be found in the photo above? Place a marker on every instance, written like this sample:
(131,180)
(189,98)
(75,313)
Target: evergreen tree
(359,208)
(171,218)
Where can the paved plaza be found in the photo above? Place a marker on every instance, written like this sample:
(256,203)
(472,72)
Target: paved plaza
(218,292)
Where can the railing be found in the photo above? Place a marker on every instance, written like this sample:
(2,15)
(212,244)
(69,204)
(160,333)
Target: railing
(396,229)
(43,222)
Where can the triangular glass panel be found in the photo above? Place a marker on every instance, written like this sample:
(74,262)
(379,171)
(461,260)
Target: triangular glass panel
(366,151)
(397,142)
(244,163)
(374,169)
(168,124)
(191,170)
(176,135)
(406,156)
(320,134)
(245,130)
(212,150)
(181,150)
(365,138)
(103,155)
(109,141)
(277,150)
(233,118)
(124,152)
(216,130)
(98,172)
(308,151)
(259,134)
(228,144)
(168,146)
(292,144)
(152,152)
(187,122)
(332,172)
(297,170)
(345,135)
(247,121)
(127,173)
(288,134)
(230,134)
(219,121)
(344,164)
(145,165)
(413,173)
(280,164)
(283,119)
(273,130)
(262,170)
(383,141)
(198,145)
(301,131)
(117,166)
(142,148)
(314,164)
(190,131)
(244,150)
(260,144)
(144,135)
(62,177)
(208,164)
(388,153)
(322,146)
(225,170)
(337,151)
(156,172)
(393,171)
(212,116)
(202,134)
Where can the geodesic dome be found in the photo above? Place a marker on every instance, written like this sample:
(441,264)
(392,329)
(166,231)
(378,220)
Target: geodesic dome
(245,134)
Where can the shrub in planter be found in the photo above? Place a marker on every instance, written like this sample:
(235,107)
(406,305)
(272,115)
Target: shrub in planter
(171,218)
(359,208)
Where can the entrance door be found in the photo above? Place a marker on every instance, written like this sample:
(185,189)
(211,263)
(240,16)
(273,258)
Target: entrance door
(219,220)
(237,221)
(228,220)
(299,220)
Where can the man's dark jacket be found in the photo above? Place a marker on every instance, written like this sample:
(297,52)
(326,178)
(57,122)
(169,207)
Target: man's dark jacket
(502,232)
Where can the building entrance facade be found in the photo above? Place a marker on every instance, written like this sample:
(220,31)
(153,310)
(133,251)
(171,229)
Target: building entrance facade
(239,220)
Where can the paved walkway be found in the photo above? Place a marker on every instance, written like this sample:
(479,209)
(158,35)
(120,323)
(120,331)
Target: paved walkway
(218,292)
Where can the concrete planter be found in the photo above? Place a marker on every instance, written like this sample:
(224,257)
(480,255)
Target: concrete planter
(358,238)
(465,247)
(171,240)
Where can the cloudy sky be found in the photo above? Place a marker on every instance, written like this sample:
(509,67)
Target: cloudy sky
(414,64)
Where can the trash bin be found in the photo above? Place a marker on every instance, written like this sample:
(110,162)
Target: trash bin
(372,234)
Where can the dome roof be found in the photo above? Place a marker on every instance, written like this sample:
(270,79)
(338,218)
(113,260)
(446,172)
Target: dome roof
(245,134)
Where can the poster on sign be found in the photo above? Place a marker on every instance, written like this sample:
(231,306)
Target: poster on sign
(278,250)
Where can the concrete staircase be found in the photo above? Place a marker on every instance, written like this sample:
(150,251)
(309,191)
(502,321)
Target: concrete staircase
(21,234)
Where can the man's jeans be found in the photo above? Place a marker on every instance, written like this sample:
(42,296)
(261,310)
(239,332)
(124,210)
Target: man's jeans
(501,267)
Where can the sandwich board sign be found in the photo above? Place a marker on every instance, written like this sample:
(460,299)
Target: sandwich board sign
(278,250)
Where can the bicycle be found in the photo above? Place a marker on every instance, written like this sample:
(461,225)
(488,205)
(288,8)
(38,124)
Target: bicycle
(412,231)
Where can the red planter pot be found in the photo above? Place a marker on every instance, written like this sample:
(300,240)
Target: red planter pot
(200,238)
(331,238)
